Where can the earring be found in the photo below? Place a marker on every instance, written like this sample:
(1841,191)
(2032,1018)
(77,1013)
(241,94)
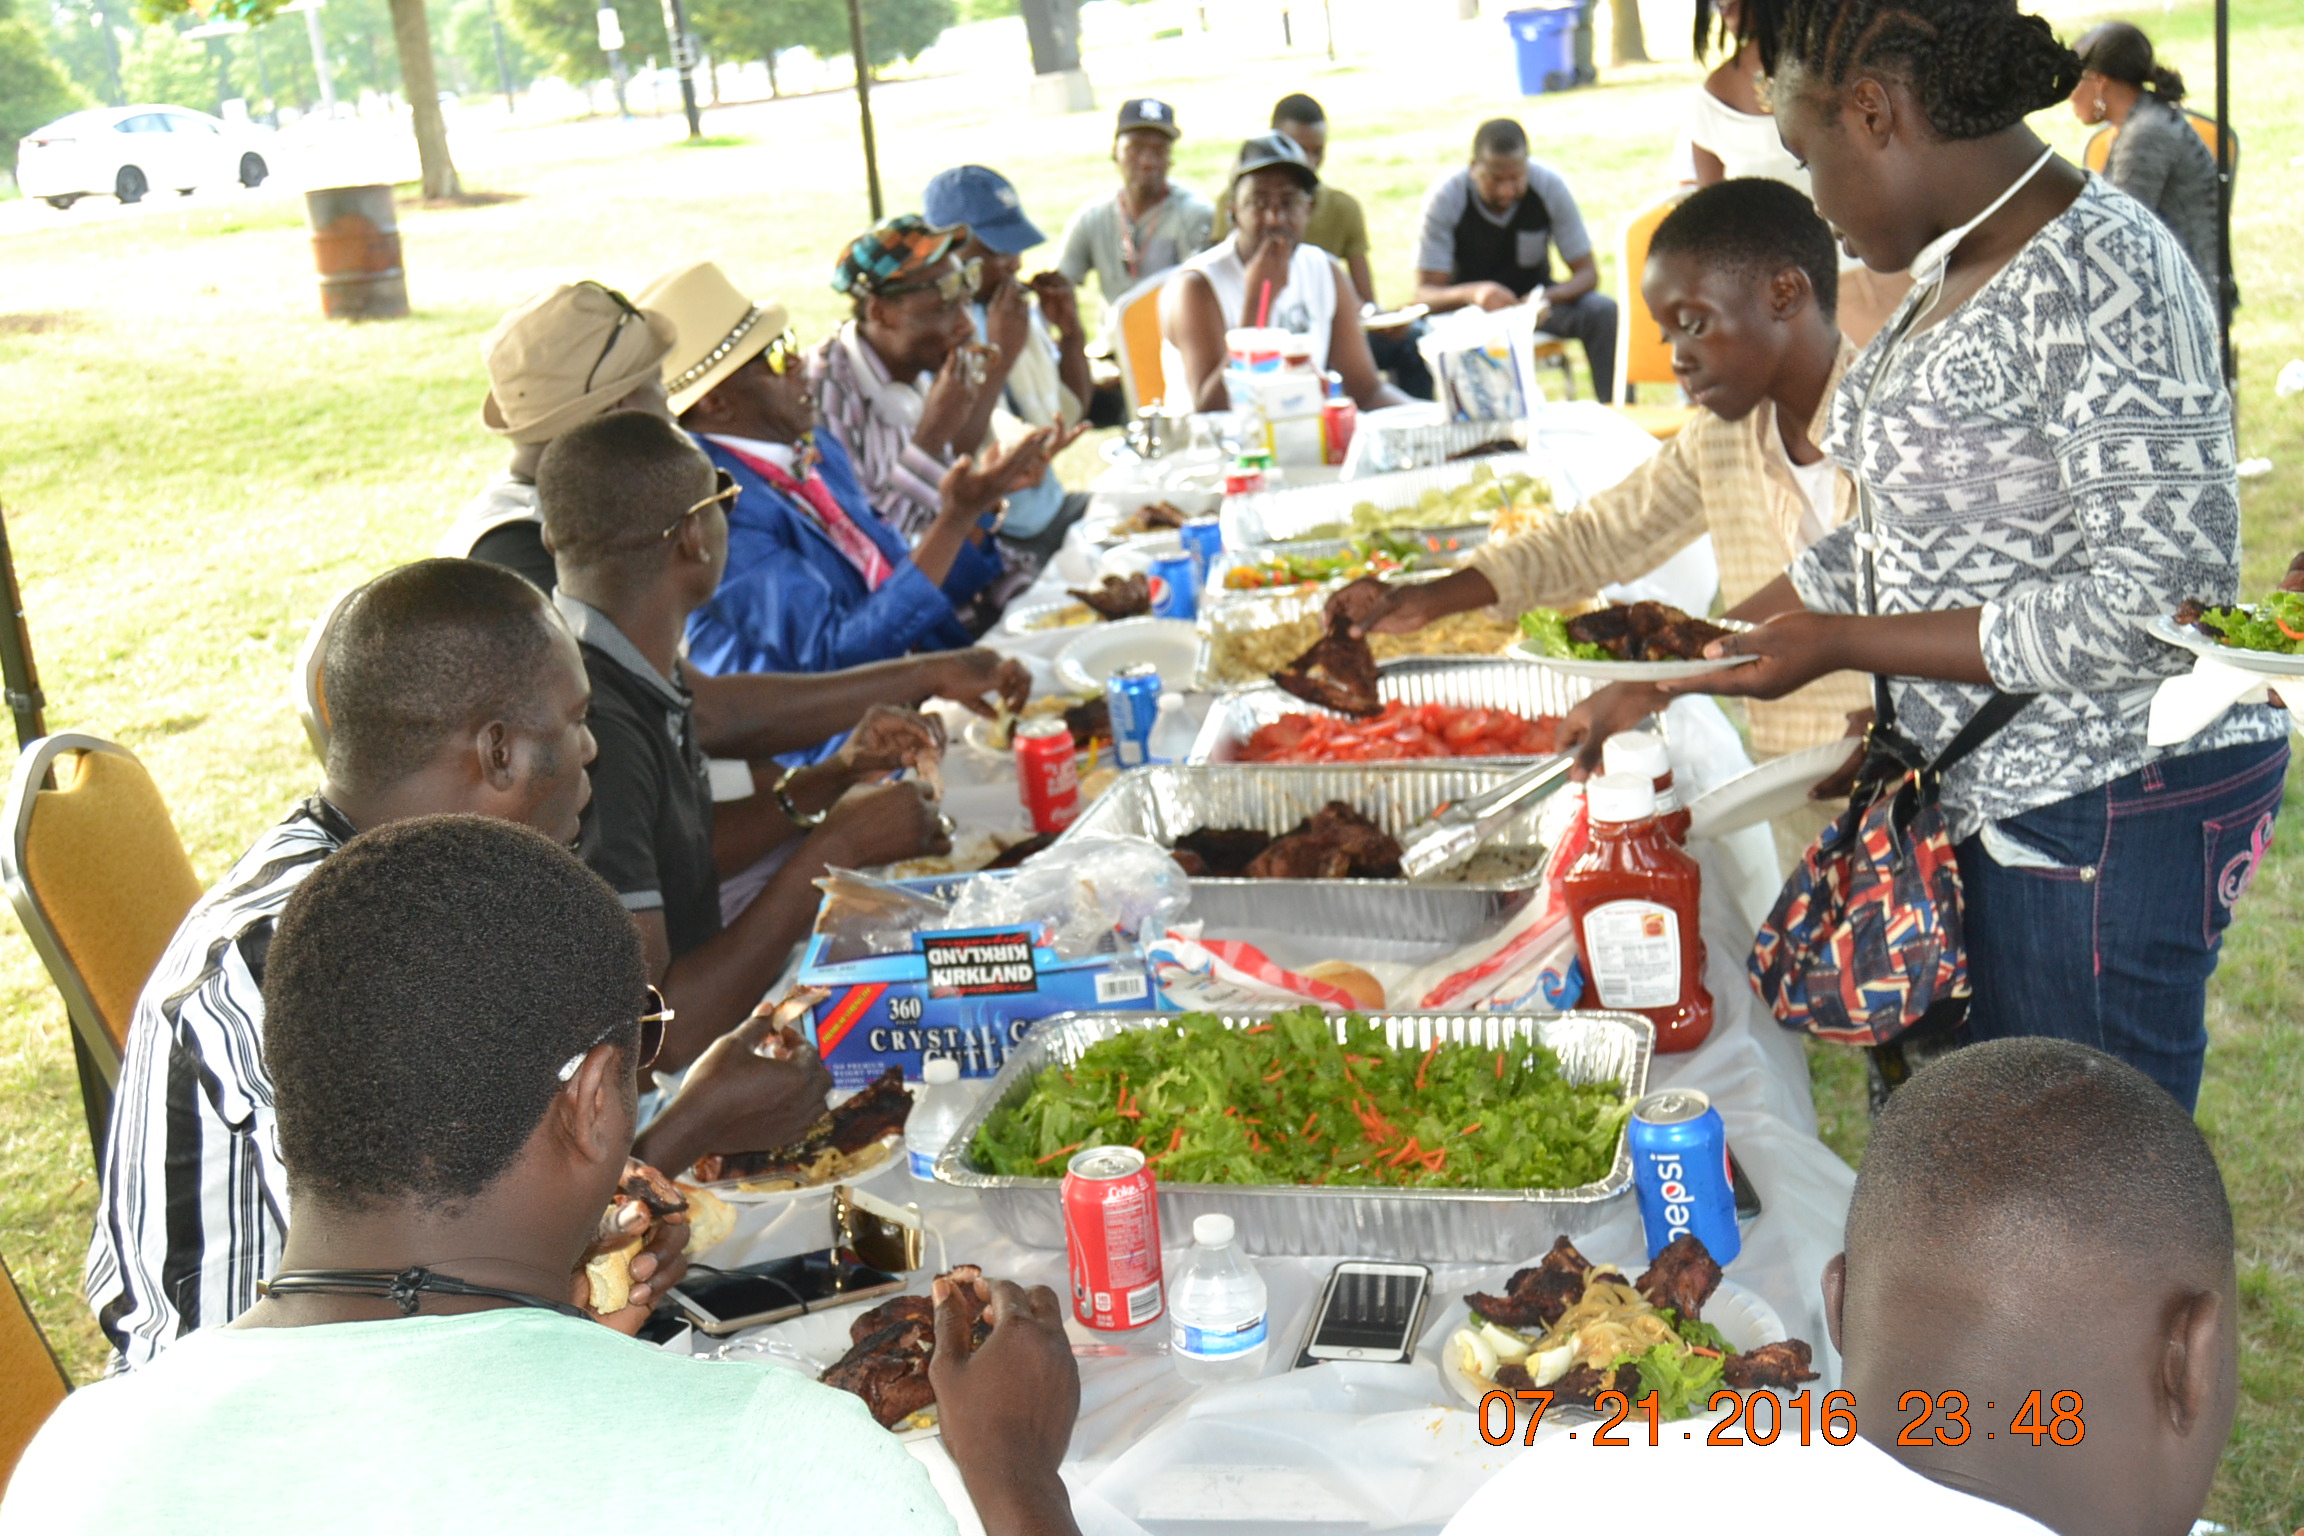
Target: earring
(2099,117)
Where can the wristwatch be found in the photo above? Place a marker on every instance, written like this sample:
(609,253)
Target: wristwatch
(781,789)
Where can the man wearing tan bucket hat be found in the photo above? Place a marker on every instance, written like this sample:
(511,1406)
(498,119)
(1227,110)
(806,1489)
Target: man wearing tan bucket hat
(815,579)
(565,356)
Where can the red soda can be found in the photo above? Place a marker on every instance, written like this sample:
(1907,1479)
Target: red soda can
(1112,1239)
(1047,781)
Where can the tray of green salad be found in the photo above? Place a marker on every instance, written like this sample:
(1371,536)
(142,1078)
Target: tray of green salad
(1429,1136)
(2266,637)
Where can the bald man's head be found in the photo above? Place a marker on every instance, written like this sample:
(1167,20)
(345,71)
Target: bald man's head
(2034,1218)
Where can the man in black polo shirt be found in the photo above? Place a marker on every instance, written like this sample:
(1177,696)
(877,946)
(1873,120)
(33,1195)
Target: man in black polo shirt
(1489,231)
(635,516)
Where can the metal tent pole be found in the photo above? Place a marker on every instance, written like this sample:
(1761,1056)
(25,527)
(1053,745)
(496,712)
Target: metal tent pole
(864,102)
(2227,285)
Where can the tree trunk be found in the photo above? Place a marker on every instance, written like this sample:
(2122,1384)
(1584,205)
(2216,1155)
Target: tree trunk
(1052,28)
(769,58)
(412,36)
(1629,45)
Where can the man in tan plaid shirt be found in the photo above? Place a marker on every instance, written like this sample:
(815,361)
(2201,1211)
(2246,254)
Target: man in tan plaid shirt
(1742,277)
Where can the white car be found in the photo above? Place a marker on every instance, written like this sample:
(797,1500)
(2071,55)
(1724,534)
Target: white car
(125,152)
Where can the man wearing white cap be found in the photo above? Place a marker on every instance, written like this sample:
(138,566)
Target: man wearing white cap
(565,356)
(815,580)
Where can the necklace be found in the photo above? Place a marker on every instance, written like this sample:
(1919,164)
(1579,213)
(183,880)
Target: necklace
(404,1288)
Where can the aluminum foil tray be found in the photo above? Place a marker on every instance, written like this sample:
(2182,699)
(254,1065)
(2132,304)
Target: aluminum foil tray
(1381,448)
(1455,543)
(1290,512)
(1461,680)
(1263,610)
(1166,801)
(1426,1225)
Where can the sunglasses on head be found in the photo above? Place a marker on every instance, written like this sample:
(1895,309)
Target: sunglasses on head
(630,313)
(959,283)
(725,489)
(652,1025)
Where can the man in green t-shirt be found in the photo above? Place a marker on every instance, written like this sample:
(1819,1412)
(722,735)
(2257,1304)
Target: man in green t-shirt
(456,1014)
(1339,227)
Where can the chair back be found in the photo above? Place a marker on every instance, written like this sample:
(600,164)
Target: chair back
(305,686)
(1136,342)
(1642,354)
(32,1382)
(99,878)
(2097,152)
(2219,144)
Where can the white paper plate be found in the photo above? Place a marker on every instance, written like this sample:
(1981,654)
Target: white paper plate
(1136,554)
(1743,1317)
(1172,645)
(977,735)
(1020,620)
(726,1188)
(1773,789)
(2270,663)
(809,1344)
(1624,671)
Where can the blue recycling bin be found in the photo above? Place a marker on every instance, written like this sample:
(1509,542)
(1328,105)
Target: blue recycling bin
(1544,47)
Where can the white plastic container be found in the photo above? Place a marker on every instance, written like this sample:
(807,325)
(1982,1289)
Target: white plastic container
(1216,1309)
(937,1111)
(1173,732)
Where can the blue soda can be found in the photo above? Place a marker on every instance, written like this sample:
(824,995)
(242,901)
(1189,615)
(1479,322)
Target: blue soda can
(1132,695)
(1176,587)
(1680,1168)
(1203,541)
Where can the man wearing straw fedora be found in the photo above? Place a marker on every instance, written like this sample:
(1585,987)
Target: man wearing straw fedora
(565,356)
(815,579)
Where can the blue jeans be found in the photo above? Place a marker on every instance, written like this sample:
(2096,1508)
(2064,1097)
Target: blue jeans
(2113,944)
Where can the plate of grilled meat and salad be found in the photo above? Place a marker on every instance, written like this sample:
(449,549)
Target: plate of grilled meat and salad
(1645,641)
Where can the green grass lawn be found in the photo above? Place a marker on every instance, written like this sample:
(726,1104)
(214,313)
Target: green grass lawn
(192,463)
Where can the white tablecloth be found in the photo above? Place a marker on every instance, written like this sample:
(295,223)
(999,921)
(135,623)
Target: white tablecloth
(1370,1447)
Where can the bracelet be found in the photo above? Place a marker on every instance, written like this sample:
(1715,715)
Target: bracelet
(781,789)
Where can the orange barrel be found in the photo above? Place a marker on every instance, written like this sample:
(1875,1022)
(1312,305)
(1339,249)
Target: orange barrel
(356,241)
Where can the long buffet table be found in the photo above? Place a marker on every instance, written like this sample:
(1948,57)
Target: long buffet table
(1380,1448)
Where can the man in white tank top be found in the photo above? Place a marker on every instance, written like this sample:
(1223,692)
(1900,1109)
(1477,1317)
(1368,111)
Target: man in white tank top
(1265,274)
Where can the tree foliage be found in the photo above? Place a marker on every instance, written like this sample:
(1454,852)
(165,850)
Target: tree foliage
(566,34)
(894,30)
(33,91)
(470,49)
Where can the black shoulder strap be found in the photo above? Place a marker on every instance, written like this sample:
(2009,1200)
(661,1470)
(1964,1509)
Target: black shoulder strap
(1998,710)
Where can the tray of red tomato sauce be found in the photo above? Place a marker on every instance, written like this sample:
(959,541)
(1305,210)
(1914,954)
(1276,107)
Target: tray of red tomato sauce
(1434,707)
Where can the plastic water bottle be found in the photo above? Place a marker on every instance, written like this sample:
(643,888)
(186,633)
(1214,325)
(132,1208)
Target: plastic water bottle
(1172,731)
(1216,1309)
(937,1111)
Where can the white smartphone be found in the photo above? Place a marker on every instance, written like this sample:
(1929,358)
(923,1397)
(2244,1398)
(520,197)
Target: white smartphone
(1368,1311)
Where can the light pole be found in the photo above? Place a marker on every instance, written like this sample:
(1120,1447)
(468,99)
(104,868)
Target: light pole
(612,44)
(312,33)
(684,60)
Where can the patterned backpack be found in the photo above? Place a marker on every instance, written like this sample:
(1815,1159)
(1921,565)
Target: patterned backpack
(1864,941)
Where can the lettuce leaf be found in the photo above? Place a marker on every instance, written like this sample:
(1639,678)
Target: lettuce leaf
(1683,1382)
(2259,629)
(1547,632)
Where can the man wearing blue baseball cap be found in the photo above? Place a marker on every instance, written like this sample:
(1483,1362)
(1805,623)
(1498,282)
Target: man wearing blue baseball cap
(1040,376)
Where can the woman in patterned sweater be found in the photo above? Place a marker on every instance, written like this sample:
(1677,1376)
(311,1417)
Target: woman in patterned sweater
(2045,440)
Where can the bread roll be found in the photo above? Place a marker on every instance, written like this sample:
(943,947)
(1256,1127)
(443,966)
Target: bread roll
(1366,990)
(611,1277)
(710,1218)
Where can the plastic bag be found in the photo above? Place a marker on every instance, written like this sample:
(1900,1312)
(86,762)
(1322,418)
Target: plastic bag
(1078,892)
(1483,362)
(866,916)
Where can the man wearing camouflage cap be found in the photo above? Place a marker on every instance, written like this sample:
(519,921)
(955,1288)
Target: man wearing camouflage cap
(562,358)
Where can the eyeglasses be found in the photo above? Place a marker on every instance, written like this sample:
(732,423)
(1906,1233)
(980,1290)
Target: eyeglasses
(630,313)
(726,490)
(1286,202)
(651,1038)
(959,283)
(782,354)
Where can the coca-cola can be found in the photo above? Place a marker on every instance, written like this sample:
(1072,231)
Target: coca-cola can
(1047,779)
(1112,1239)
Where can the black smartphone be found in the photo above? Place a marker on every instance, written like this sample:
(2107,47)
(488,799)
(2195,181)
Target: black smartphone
(1368,1311)
(1747,1198)
(724,1301)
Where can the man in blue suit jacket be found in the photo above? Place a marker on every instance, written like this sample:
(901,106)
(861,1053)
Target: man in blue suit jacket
(815,580)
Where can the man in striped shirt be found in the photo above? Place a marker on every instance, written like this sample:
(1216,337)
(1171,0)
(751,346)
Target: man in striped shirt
(453,686)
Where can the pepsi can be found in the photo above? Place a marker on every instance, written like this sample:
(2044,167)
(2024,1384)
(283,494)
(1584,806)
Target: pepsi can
(1203,541)
(1680,1168)
(1132,695)
(1175,586)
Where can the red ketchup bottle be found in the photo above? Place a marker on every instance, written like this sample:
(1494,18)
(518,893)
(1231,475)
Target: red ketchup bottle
(1634,896)
(1642,752)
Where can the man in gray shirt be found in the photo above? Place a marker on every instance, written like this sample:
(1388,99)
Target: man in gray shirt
(1489,231)
(1146,227)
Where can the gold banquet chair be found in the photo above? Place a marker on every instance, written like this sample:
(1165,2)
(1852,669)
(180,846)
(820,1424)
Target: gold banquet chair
(32,1381)
(100,880)
(1643,356)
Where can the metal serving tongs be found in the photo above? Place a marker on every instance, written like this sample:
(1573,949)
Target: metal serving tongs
(1453,831)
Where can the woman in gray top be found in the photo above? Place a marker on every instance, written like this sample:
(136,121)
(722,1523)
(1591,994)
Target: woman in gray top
(2158,157)
(2043,441)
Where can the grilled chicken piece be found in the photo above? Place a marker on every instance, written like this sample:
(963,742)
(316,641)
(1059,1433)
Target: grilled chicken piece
(1223,851)
(1118,597)
(1644,632)
(1771,1365)
(850,1126)
(1339,672)
(1535,1297)
(1682,1277)
(891,1345)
